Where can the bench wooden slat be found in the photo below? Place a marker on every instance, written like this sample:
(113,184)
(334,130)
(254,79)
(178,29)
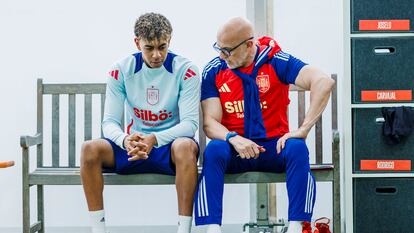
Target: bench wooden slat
(301,107)
(295,88)
(102,110)
(70,176)
(318,141)
(202,136)
(78,88)
(334,105)
(266,177)
(76,170)
(88,117)
(72,130)
(39,119)
(55,130)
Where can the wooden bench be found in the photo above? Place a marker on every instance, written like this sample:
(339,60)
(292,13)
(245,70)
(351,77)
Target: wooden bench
(56,174)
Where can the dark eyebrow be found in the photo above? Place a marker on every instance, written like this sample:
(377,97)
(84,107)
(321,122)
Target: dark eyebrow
(151,46)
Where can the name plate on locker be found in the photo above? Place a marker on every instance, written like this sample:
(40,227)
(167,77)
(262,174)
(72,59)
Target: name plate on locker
(387,95)
(386,165)
(384,25)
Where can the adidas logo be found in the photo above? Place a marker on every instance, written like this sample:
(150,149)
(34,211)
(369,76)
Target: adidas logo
(189,74)
(114,74)
(224,88)
(103,219)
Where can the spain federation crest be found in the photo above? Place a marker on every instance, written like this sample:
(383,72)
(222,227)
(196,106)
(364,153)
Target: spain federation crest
(263,82)
(153,96)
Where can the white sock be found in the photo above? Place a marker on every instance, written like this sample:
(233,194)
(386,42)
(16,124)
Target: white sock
(213,228)
(295,227)
(97,221)
(184,224)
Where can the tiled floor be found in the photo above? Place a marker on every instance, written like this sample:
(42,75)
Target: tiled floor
(129,229)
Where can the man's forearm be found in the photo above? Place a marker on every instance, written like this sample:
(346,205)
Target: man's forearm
(114,132)
(319,97)
(214,129)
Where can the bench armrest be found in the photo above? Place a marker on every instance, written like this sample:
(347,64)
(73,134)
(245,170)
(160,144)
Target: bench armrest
(335,136)
(28,141)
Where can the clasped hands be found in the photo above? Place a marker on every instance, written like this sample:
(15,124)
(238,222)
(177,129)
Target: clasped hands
(139,146)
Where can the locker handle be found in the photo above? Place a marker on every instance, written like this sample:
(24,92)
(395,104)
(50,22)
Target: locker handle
(379,120)
(386,190)
(384,50)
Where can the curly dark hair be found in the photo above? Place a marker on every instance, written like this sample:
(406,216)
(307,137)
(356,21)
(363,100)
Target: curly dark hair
(152,26)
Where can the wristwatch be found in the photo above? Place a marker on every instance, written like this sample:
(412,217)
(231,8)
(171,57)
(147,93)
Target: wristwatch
(230,135)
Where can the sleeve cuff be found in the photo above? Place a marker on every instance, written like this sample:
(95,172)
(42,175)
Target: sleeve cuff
(160,141)
(120,141)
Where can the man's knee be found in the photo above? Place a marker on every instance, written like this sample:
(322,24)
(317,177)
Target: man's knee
(90,153)
(217,151)
(184,150)
(296,149)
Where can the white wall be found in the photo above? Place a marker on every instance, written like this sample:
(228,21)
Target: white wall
(313,32)
(76,41)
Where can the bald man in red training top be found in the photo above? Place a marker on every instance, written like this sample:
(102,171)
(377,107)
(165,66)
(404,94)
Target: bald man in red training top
(245,98)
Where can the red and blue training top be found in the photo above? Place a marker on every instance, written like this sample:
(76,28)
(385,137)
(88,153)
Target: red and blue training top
(273,79)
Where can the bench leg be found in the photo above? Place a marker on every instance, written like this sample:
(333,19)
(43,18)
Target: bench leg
(262,205)
(336,205)
(336,184)
(26,191)
(262,223)
(26,209)
(336,209)
(40,208)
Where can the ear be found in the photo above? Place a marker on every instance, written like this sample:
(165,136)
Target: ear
(250,43)
(136,40)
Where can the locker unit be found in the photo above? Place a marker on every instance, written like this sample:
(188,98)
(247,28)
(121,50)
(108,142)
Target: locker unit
(372,151)
(383,205)
(382,69)
(382,16)
(378,74)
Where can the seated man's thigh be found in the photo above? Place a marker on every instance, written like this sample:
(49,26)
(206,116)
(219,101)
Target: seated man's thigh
(295,151)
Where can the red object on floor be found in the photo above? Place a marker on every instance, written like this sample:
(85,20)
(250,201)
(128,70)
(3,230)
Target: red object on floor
(322,225)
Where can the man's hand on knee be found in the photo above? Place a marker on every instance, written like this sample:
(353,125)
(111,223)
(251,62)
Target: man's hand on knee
(299,133)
